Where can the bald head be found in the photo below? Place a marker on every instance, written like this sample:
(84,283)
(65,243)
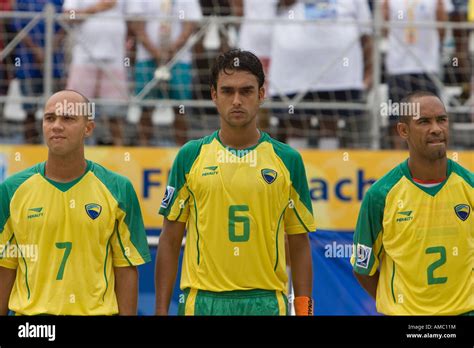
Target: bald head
(71,103)
(67,122)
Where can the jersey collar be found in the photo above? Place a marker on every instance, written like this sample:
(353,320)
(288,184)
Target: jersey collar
(432,191)
(63,186)
(263,137)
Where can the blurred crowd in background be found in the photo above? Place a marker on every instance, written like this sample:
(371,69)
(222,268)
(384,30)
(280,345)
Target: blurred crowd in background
(331,66)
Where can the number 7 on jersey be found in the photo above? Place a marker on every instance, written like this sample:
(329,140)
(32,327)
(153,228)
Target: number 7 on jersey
(68,247)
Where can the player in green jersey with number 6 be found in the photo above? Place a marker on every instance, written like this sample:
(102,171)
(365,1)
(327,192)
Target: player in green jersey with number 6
(414,239)
(237,191)
(71,231)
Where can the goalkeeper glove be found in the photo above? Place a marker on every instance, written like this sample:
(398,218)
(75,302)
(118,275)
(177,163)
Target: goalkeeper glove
(303,306)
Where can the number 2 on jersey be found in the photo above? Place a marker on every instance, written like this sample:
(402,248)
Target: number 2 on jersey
(233,219)
(68,247)
(431,268)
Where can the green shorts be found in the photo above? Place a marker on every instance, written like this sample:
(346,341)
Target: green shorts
(239,302)
(179,85)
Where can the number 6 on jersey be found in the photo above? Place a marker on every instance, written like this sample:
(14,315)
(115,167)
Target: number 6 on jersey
(233,209)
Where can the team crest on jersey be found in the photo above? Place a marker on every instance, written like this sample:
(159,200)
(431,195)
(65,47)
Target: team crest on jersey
(363,256)
(168,196)
(93,210)
(462,211)
(269,175)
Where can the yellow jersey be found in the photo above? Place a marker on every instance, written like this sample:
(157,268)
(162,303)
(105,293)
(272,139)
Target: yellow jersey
(237,204)
(422,241)
(64,239)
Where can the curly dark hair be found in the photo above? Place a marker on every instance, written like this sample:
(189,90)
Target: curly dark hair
(239,60)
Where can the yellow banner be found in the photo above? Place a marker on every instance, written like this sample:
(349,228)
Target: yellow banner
(337,180)
(471,11)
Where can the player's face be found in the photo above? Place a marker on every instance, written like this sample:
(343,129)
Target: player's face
(237,98)
(65,130)
(428,134)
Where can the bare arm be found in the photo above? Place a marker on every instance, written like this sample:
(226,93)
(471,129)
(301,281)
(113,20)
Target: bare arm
(301,264)
(167,263)
(138,29)
(286,3)
(7,279)
(101,6)
(237,7)
(126,289)
(366,41)
(186,32)
(386,16)
(37,51)
(369,283)
(441,16)
(302,273)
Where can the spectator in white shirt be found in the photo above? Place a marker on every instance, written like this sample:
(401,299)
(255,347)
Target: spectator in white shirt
(159,39)
(413,53)
(98,67)
(327,63)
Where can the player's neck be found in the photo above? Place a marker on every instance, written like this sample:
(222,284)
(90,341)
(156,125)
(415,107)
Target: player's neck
(239,138)
(65,168)
(427,170)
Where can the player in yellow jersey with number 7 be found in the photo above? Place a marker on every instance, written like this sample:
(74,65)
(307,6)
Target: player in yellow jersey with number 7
(236,191)
(71,231)
(414,239)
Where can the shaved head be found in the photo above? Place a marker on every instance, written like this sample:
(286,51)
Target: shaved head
(67,121)
(70,102)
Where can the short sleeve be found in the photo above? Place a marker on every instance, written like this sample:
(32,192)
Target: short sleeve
(129,243)
(9,253)
(135,7)
(70,5)
(368,234)
(448,6)
(175,203)
(298,216)
(189,10)
(7,237)
(363,15)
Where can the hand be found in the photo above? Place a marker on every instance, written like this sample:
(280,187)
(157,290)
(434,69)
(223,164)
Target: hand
(166,54)
(38,54)
(157,55)
(175,47)
(368,79)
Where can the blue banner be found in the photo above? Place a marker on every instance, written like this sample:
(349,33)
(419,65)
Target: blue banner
(335,289)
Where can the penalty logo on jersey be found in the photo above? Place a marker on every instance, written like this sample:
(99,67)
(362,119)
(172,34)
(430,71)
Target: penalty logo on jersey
(168,196)
(462,211)
(269,175)
(93,210)
(363,256)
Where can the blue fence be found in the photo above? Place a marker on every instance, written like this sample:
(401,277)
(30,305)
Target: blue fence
(335,289)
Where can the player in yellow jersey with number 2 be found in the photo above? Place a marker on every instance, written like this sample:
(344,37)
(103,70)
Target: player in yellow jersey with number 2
(414,239)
